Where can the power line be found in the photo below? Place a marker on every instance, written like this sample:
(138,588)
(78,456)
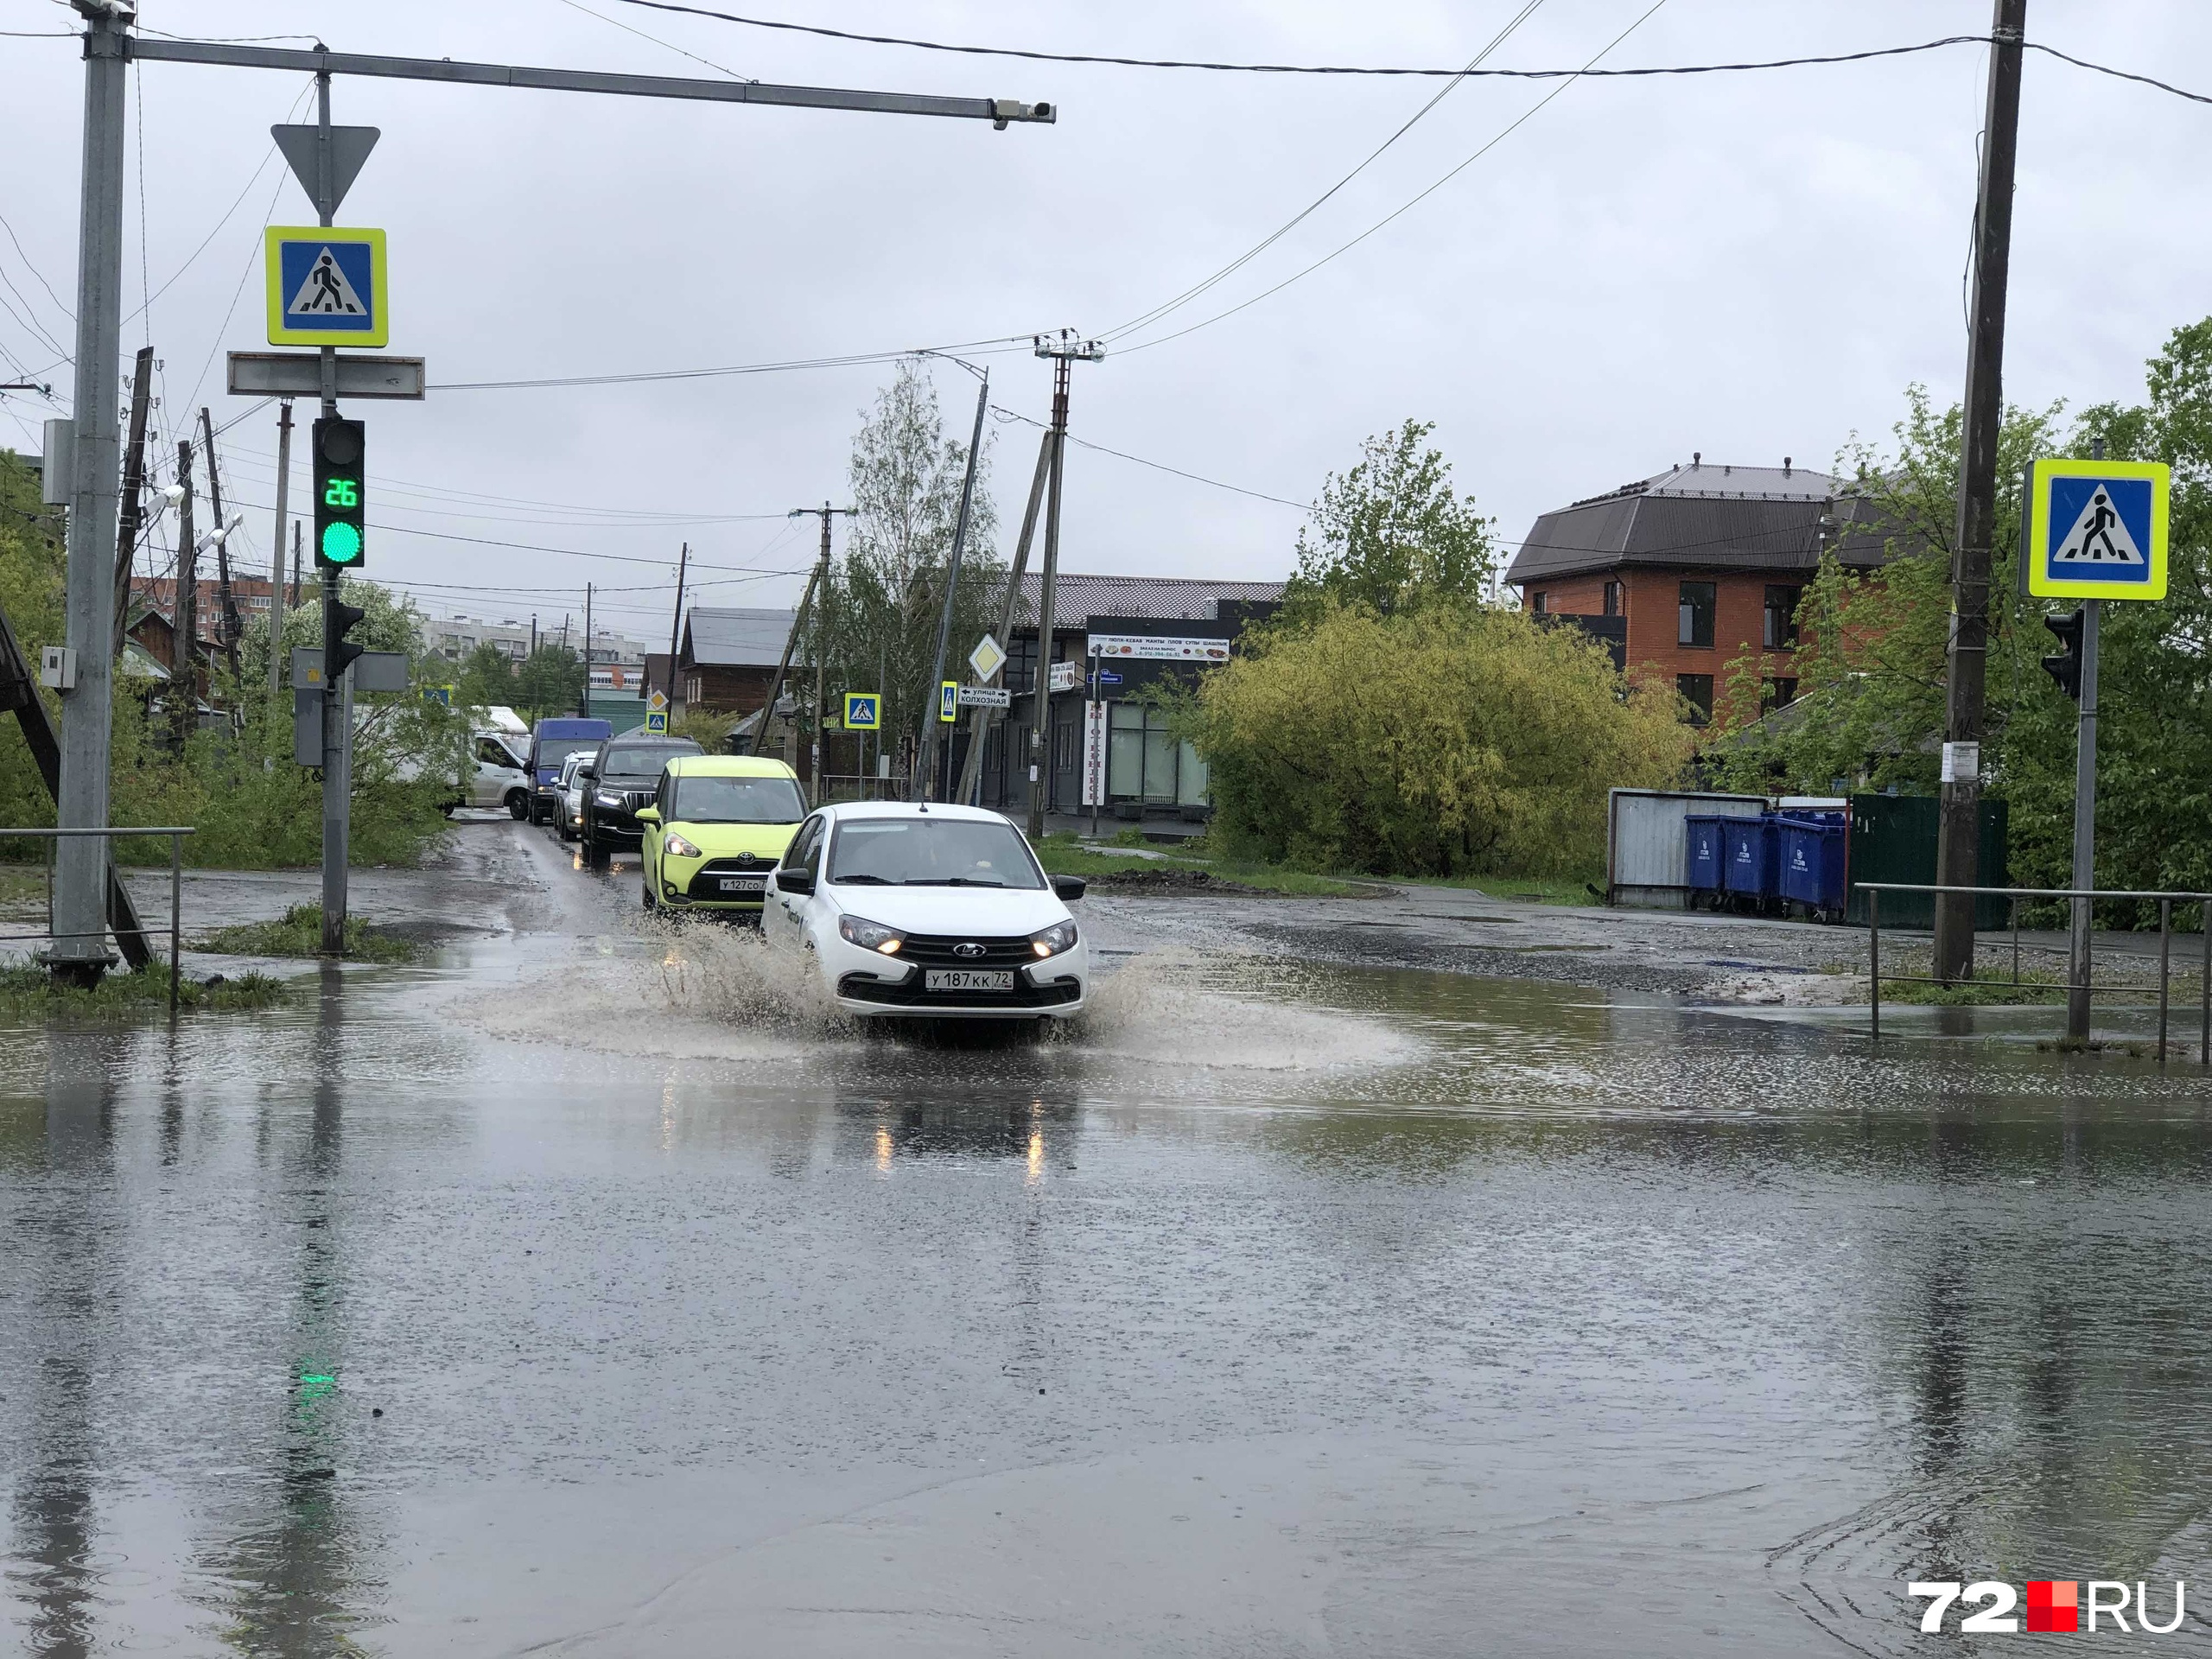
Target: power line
(1282,231)
(997,344)
(1299,276)
(1160,466)
(1302,68)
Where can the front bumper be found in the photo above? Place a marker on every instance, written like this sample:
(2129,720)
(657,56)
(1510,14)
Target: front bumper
(868,983)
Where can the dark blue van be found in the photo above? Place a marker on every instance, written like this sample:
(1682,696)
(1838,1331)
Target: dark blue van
(552,741)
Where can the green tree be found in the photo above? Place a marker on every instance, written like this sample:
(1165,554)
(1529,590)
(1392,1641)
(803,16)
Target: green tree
(550,680)
(1446,740)
(1389,534)
(886,591)
(485,679)
(32,562)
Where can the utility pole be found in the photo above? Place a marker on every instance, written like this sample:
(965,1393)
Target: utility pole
(979,731)
(817,582)
(933,716)
(1064,349)
(184,696)
(276,547)
(227,623)
(1959,828)
(132,520)
(296,563)
(80,862)
(583,699)
(676,622)
(2081,958)
(337,688)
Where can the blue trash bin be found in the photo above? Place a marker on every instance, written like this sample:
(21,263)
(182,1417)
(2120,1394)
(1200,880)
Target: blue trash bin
(1748,848)
(1810,862)
(1705,860)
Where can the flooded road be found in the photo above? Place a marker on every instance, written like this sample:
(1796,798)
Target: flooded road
(584,1291)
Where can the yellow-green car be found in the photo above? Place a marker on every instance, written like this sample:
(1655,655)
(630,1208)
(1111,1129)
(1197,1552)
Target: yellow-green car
(715,827)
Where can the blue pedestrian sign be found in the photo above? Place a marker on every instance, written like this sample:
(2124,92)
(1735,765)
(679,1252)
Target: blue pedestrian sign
(2096,530)
(657,721)
(862,711)
(326,286)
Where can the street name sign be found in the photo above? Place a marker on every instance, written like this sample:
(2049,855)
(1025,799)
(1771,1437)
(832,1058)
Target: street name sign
(326,286)
(299,374)
(987,658)
(863,711)
(2096,530)
(986,696)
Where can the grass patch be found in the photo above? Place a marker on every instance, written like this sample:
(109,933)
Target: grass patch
(33,990)
(300,934)
(1063,855)
(1528,889)
(22,886)
(2037,985)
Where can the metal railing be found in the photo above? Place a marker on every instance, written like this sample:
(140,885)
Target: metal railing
(2162,991)
(176,834)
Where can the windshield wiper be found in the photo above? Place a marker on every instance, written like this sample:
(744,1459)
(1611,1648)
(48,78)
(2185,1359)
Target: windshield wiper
(860,881)
(948,882)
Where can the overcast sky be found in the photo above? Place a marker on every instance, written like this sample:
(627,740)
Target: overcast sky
(1750,265)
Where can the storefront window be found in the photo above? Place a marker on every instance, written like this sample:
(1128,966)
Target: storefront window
(1146,761)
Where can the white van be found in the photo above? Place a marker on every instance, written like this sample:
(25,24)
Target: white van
(498,776)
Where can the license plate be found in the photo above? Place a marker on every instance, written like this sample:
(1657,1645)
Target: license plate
(744,883)
(968,979)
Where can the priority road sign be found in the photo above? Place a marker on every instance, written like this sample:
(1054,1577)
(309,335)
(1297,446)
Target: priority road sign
(987,658)
(658,701)
(863,711)
(2096,530)
(326,286)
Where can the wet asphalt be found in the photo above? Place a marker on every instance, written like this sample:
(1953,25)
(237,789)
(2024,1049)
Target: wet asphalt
(583,1290)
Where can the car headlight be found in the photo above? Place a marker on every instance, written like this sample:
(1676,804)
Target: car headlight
(605,799)
(870,935)
(678,848)
(1051,941)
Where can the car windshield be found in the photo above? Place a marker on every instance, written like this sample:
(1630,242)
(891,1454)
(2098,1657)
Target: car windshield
(633,761)
(737,800)
(931,853)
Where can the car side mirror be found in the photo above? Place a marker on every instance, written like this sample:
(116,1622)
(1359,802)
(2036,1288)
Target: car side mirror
(586,774)
(794,881)
(1069,887)
(647,814)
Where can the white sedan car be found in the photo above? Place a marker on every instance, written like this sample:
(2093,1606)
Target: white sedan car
(931,911)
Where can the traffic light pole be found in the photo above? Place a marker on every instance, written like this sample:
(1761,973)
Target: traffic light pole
(337,686)
(2078,957)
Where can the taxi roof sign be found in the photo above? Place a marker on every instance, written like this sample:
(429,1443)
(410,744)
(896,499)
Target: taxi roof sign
(2096,530)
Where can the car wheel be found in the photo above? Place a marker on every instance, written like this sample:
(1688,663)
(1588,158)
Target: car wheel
(647,885)
(517,805)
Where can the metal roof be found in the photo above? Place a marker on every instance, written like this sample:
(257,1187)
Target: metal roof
(1721,516)
(735,638)
(1077,599)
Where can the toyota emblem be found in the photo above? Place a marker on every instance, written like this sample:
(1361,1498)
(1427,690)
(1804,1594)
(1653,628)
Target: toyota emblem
(969,950)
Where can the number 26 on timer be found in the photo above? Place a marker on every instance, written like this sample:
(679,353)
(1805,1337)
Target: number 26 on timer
(341,493)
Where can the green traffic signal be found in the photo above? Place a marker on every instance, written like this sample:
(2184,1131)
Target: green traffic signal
(341,543)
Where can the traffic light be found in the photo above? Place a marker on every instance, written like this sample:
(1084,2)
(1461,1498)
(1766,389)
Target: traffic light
(339,652)
(339,504)
(2066,667)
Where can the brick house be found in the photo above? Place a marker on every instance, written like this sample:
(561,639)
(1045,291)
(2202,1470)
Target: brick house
(1685,573)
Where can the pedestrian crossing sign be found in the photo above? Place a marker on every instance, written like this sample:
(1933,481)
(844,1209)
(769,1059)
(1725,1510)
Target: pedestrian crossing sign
(2096,530)
(656,721)
(861,711)
(326,286)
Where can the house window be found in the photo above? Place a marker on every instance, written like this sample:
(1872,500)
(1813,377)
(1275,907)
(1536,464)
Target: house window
(1615,598)
(1781,633)
(1696,621)
(1540,602)
(1696,689)
(1020,674)
(1777,694)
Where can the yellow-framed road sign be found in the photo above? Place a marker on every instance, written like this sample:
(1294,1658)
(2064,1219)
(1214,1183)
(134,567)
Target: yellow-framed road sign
(326,286)
(2096,530)
(863,711)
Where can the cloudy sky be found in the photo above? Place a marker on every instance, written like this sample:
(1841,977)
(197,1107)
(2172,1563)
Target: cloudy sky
(1750,265)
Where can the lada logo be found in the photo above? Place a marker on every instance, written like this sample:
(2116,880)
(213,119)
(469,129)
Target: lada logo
(970,951)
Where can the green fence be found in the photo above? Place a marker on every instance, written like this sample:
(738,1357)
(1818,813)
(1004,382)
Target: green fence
(1893,839)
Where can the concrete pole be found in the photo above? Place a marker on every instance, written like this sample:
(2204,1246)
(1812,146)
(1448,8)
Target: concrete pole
(1959,828)
(971,774)
(80,950)
(1041,748)
(277,548)
(583,699)
(184,610)
(337,690)
(933,719)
